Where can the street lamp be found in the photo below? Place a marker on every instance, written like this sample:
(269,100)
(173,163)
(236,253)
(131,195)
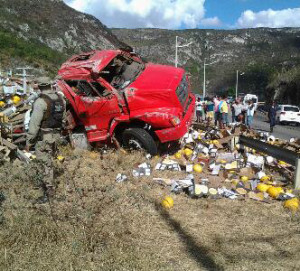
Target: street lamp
(176,50)
(204,76)
(237,82)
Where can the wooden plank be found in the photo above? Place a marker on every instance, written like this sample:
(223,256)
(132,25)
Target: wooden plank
(8,144)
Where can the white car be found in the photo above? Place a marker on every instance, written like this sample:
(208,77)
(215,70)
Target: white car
(288,114)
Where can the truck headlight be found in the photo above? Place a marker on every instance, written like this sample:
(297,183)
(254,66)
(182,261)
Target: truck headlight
(175,121)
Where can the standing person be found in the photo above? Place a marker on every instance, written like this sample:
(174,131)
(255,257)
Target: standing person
(203,111)
(232,111)
(238,107)
(46,122)
(210,110)
(272,116)
(224,112)
(199,109)
(244,114)
(216,109)
(250,114)
(47,116)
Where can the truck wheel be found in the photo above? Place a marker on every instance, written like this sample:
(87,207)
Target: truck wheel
(138,138)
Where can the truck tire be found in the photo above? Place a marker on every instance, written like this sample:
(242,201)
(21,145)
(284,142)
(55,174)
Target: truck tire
(138,138)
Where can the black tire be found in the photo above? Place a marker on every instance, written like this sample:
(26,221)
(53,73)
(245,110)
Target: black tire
(138,138)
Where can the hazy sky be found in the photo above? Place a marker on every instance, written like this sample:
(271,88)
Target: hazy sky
(180,14)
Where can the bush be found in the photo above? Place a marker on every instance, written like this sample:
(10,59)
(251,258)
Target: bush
(31,51)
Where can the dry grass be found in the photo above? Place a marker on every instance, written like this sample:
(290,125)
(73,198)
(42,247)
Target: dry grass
(93,223)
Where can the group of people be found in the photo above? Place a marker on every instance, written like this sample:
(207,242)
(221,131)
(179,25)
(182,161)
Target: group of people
(217,109)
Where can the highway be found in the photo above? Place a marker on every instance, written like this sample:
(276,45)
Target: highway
(280,131)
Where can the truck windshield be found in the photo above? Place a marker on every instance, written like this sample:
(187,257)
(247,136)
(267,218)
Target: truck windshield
(183,90)
(122,71)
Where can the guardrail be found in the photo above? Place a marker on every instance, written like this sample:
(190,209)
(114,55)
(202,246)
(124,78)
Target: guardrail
(276,152)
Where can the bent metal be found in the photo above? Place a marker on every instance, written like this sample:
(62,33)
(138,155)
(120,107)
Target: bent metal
(99,87)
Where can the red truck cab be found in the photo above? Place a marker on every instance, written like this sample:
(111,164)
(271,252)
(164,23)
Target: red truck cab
(113,94)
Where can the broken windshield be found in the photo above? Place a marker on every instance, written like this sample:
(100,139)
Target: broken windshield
(122,71)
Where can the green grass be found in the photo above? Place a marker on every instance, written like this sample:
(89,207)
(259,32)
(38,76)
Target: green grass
(30,51)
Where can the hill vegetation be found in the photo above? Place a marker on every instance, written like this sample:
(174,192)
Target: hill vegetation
(260,54)
(44,33)
(30,51)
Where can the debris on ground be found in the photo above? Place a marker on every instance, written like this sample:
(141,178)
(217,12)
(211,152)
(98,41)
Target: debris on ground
(143,169)
(215,169)
(209,163)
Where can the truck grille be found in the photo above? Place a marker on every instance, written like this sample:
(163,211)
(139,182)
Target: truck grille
(183,91)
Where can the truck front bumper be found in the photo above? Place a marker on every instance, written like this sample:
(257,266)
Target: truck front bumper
(177,132)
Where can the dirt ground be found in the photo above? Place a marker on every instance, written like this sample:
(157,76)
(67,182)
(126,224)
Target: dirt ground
(94,223)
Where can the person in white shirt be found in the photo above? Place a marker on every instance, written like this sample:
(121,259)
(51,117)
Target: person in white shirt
(250,114)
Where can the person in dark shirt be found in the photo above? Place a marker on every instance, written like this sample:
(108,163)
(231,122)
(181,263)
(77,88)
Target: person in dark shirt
(272,116)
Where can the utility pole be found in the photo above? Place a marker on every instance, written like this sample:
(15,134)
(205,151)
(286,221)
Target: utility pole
(237,83)
(176,52)
(24,75)
(204,75)
(204,80)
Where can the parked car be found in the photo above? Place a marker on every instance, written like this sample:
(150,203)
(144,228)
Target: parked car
(288,114)
(115,97)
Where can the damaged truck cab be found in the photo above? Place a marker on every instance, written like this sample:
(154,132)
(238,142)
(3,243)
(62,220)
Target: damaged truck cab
(113,94)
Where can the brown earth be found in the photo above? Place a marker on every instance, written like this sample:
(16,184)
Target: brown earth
(94,223)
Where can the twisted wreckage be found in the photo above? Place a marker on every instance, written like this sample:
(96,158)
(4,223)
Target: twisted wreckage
(114,96)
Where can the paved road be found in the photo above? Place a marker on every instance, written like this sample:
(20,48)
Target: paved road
(280,131)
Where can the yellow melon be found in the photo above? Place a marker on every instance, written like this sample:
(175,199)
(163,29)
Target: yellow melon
(244,179)
(292,204)
(262,187)
(198,168)
(167,202)
(274,191)
(188,152)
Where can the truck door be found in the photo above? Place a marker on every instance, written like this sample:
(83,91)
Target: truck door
(96,108)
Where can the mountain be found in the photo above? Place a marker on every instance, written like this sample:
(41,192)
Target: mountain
(45,32)
(257,53)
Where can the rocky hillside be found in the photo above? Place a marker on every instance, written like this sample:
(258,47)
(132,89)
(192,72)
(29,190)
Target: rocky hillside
(258,53)
(49,26)
(43,33)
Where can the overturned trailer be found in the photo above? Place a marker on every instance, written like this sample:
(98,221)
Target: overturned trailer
(114,96)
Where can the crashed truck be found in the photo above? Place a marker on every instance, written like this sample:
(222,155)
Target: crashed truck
(116,97)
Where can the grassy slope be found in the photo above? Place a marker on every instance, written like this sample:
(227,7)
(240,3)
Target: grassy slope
(31,52)
(96,224)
